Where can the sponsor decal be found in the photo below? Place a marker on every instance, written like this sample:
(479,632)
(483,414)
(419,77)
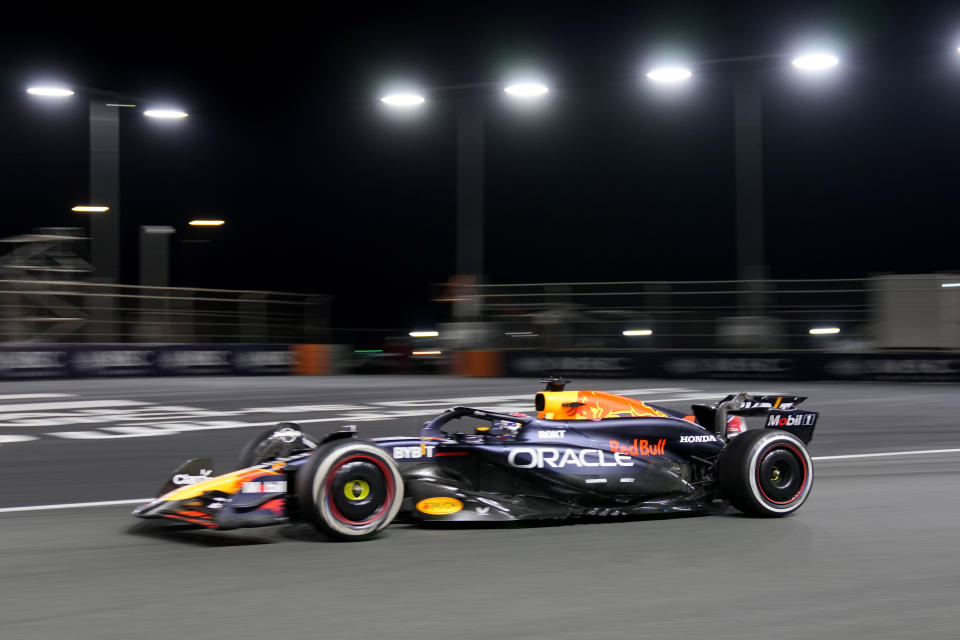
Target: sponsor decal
(414,452)
(551,433)
(183,479)
(286,435)
(32,363)
(578,363)
(440,506)
(540,457)
(270,486)
(482,511)
(706,438)
(596,481)
(263,359)
(627,480)
(639,447)
(109,359)
(187,359)
(689,366)
(907,367)
(797,420)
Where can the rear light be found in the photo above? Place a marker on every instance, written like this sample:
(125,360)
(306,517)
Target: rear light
(735,426)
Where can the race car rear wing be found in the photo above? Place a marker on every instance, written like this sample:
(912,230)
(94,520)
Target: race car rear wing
(781,409)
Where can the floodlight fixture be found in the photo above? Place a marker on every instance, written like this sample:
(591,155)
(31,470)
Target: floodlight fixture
(949,285)
(50,92)
(526,90)
(403,100)
(206,223)
(815,62)
(89,208)
(165,114)
(424,334)
(638,332)
(824,331)
(669,75)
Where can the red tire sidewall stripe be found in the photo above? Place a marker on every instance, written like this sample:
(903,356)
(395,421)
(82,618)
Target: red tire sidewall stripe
(803,462)
(328,496)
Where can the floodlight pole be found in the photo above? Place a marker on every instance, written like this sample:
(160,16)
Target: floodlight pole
(105,189)
(470,204)
(104,227)
(748,130)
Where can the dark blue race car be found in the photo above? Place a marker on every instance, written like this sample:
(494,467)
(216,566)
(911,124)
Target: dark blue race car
(474,465)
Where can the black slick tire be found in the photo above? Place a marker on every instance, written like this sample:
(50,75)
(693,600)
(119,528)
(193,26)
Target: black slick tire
(280,441)
(765,472)
(350,489)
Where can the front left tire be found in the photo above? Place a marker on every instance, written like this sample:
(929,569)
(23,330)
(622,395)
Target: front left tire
(350,489)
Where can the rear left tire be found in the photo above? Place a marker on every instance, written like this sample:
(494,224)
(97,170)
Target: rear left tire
(765,472)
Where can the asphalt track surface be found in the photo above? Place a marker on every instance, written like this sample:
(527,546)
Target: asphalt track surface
(871,554)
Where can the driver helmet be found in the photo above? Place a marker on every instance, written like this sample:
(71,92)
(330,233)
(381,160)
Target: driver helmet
(508,427)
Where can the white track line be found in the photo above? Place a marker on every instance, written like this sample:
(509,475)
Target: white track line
(881,455)
(29,396)
(60,406)
(80,505)
(75,505)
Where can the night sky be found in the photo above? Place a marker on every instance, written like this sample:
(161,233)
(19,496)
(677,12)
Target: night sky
(611,179)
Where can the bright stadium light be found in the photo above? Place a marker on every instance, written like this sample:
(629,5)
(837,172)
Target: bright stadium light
(669,75)
(426,353)
(206,223)
(949,285)
(638,332)
(165,114)
(815,62)
(526,90)
(89,208)
(424,334)
(824,331)
(403,99)
(50,92)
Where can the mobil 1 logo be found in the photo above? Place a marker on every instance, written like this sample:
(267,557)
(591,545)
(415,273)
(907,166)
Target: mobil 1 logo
(799,423)
(780,420)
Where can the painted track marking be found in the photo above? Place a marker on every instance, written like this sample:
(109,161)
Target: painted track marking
(31,396)
(75,505)
(77,404)
(880,455)
(108,503)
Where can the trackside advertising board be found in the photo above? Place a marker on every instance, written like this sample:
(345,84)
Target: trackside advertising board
(785,365)
(97,360)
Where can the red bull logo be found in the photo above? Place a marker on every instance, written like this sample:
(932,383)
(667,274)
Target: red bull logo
(639,447)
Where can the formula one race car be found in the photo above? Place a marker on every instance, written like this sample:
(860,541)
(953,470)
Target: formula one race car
(587,454)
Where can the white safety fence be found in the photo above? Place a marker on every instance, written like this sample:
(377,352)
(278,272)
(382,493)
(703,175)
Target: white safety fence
(886,312)
(45,311)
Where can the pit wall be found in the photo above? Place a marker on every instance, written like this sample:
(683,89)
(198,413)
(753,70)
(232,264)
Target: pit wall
(109,360)
(920,366)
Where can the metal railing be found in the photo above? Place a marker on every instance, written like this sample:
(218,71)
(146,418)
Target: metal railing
(869,313)
(42,311)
